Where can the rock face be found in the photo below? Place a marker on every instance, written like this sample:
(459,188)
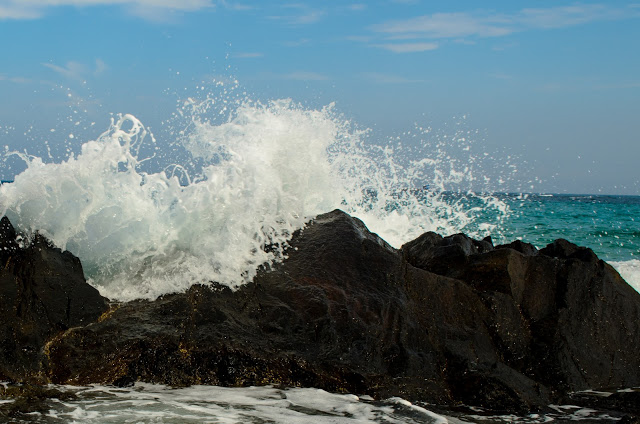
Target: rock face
(42,293)
(559,316)
(443,320)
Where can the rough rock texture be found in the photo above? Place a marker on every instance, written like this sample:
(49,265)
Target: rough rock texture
(442,320)
(560,316)
(42,293)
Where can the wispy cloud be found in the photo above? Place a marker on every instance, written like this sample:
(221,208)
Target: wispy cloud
(298,14)
(444,25)
(356,7)
(560,17)
(235,5)
(150,9)
(408,47)
(305,76)
(248,55)
(483,24)
(308,18)
(380,78)
(297,43)
(360,38)
(16,11)
(17,80)
(100,67)
(465,27)
(76,70)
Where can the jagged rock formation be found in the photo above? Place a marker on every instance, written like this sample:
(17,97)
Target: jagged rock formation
(443,320)
(42,293)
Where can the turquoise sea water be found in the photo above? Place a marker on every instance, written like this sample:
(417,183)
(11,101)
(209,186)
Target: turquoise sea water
(610,225)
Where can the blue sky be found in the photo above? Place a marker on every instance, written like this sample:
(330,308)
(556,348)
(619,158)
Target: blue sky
(555,85)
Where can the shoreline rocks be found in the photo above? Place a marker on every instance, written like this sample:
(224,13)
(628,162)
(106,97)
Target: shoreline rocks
(43,292)
(443,320)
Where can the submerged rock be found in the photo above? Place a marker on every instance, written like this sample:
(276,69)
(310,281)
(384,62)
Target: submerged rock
(445,320)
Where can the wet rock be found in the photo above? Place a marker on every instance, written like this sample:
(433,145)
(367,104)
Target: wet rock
(23,401)
(527,249)
(42,293)
(626,401)
(444,320)
(561,316)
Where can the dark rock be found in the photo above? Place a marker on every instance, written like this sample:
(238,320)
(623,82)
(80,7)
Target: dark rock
(575,313)
(627,401)
(439,254)
(8,243)
(42,293)
(27,399)
(445,320)
(526,249)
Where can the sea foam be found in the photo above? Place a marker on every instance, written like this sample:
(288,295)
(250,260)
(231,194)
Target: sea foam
(251,180)
(630,271)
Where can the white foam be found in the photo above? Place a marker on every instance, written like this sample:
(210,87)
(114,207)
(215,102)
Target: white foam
(630,271)
(146,402)
(210,404)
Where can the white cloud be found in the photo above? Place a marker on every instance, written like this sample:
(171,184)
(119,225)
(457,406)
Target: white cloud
(100,67)
(357,7)
(408,47)
(72,70)
(443,25)
(464,24)
(17,80)
(464,41)
(15,11)
(76,70)
(234,5)
(303,15)
(152,9)
(308,18)
(560,17)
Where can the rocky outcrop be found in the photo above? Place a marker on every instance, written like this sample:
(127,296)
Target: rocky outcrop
(43,292)
(443,320)
(559,315)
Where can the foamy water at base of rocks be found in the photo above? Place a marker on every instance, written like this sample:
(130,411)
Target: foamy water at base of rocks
(148,403)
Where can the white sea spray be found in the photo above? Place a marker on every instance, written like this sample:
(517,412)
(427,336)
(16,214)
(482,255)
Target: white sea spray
(630,271)
(248,182)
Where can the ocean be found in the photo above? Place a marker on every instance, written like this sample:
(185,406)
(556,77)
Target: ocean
(148,218)
(605,223)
